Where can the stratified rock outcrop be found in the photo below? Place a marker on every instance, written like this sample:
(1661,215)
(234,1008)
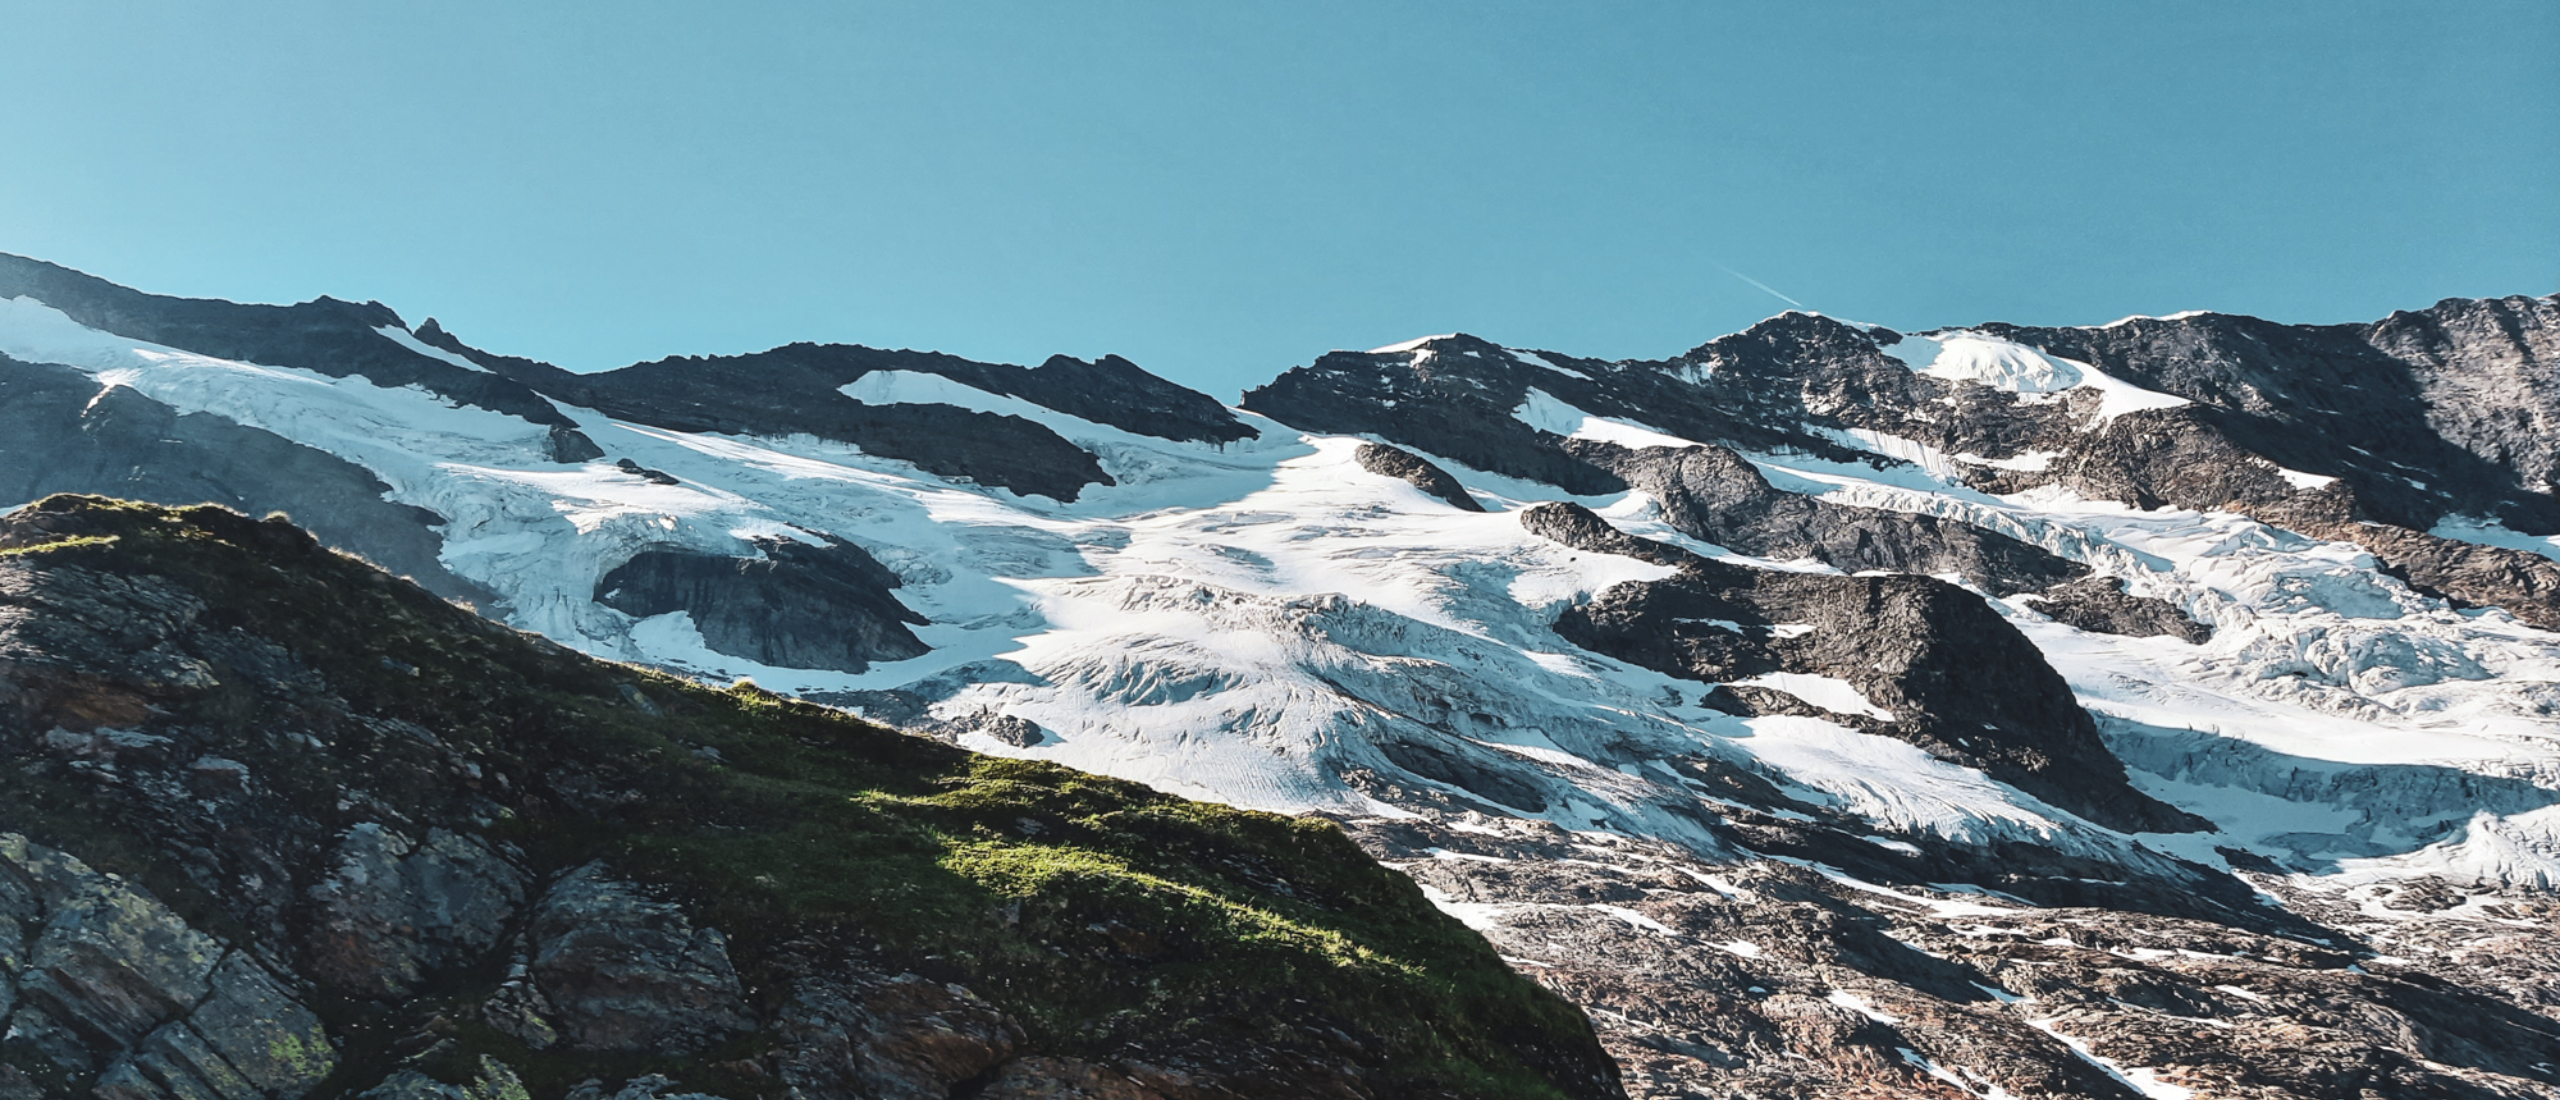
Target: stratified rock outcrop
(113,987)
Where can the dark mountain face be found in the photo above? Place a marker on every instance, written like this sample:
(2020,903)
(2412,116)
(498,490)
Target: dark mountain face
(798,389)
(2443,411)
(334,338)
(2326,429)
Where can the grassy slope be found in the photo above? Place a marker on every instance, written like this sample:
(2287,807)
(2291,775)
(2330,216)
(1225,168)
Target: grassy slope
(1100,913)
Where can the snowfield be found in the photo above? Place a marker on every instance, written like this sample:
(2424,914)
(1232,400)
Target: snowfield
(1257,621)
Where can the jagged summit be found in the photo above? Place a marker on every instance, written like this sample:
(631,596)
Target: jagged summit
(1817,695)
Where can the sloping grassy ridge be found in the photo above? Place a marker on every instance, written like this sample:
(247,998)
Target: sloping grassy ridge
(1106,917)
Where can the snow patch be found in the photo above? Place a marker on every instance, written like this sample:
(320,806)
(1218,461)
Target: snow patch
(1409,345)
(1828,692)
(1546,413)
(2486,532)
(1859,1005)
(400,336)
(1987,360)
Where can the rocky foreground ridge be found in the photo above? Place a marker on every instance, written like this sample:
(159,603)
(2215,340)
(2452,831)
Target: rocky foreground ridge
(274,824)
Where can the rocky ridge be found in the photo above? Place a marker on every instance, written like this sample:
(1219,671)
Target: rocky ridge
(408,852)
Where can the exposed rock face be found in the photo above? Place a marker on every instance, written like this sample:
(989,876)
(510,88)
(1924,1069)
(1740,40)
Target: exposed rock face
(1800,978)
(61,432)
(857,1032)
(2101,605)
(571,446)
(108,981)
(1954,678)
(2525,584)
(1404,465)
(2340,400)
(2305,426)
(797,389)
(781,393)
(623,972)
(397,910)
(1458,399)
(338,339)
(1461,413)
(797,606)
(1712,494)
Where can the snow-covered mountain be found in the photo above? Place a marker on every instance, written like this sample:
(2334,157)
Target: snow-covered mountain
(2167,708)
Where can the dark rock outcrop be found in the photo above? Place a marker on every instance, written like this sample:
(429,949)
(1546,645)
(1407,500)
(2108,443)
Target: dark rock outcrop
(1778,387)
(797,389)
(1712,494)
(1404,465)
(1461,412)
(797,606)
(623,972)
(2364,433)
(2101,605)
(396,910)
(857,1032)
(109,982)
(793,390)
(2526,585)
(570,446)
(1950,674)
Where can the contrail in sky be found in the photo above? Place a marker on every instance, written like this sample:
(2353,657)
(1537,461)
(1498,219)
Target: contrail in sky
(1773,291)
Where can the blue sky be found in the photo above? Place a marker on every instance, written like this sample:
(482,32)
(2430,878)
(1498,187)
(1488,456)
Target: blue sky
(1222,190)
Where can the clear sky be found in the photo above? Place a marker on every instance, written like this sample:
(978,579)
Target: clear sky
(1223,190)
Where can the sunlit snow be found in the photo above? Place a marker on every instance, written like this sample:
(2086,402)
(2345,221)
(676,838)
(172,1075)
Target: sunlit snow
(1245,622)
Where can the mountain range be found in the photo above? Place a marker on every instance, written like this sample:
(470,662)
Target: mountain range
(2169,708)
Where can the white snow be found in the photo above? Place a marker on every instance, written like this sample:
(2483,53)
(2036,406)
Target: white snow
(1246,622)
(1480,916)
(2144,1081)
(1988,360)
(401,336)
(1546,413)
(2492,533)
(1828,692)
(2303,481)
(2024,461)
(1635,918)
(1859,1005)
(1409,345)
(1536,360)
